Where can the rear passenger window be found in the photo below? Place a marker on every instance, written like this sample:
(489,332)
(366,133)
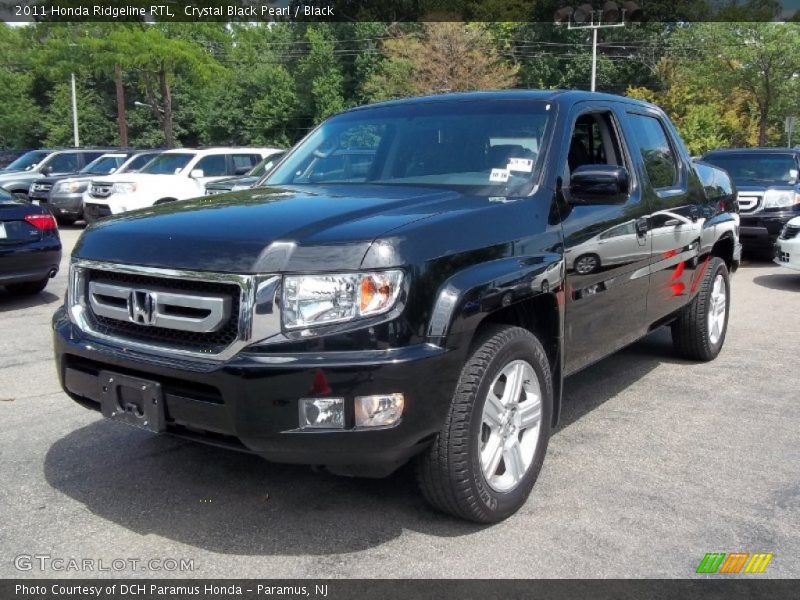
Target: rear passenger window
(63,163)
(212,166)
(657,154)
(244,162)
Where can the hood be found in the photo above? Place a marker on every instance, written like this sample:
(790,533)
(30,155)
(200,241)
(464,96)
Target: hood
(72,176)
(752,186)
(268,229)
(229,182)
(134,177)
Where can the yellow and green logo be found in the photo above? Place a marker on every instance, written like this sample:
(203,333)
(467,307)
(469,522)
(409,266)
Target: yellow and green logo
(734,562)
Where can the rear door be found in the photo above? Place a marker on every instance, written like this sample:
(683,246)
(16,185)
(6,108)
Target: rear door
(607,250)
(678,211)
(242,163)
(214,166)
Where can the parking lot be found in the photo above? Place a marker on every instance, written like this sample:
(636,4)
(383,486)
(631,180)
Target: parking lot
(656,462)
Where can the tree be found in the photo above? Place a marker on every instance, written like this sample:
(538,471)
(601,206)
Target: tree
(761,59)
(320,77)
(95,125)
(446,57)
(157,59)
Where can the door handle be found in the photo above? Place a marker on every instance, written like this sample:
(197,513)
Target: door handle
(641,227)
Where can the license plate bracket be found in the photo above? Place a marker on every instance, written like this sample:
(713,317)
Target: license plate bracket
(132,400)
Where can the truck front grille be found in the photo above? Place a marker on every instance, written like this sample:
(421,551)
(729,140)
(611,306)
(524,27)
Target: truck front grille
(748,202)
(101,190)
(211,342)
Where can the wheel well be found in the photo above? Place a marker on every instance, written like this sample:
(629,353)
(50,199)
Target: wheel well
(724,250)
(540,316)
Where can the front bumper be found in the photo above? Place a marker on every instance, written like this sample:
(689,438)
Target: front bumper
(251,402)
(760,230)
(787,253)
(30,262)
(65,204)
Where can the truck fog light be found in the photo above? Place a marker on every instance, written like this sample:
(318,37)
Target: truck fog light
(377,411)
(322,413)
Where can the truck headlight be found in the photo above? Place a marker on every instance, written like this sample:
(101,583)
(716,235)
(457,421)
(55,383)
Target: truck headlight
(313,300)
(780,198)
(124,188)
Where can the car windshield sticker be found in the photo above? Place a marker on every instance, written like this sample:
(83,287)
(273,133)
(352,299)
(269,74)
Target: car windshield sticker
(500,175)
(520,164)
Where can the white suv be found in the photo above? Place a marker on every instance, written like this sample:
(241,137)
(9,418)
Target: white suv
(174,175)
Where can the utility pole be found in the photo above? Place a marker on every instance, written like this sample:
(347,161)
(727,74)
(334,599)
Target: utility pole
(123,123)
(74,112)
(585,17)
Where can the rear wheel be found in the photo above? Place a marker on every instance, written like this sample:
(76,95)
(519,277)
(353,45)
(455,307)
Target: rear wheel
(27,288)
(699,331)
(484,462)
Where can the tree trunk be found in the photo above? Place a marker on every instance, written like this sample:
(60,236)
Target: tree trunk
(123,124)
(166,101)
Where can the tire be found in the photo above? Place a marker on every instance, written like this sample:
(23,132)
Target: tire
(586,264)
(66,220)
(698,333)
(451,472)
(27,288)
(164,201)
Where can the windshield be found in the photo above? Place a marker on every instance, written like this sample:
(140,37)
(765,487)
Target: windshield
(479,147)
(759,168)
(266,164)
(167,164)
(103,165)
(28,160)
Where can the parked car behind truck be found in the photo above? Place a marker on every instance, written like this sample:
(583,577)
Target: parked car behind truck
(416,308)
(174,175)
(57,162)
(768,191)
(63,195)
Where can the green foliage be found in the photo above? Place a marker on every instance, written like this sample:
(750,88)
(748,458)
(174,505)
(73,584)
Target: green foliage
(95,124)
(321,80)
(723,84)
(19,117)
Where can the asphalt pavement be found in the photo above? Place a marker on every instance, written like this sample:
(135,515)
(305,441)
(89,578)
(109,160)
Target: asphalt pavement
(656,462)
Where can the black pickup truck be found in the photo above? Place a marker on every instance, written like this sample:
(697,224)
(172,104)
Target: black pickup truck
(414,282)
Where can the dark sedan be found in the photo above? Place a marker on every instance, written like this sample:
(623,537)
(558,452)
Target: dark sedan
(30,247)
(243,182)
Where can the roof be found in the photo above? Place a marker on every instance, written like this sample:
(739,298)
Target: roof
(556,96)
(753,151)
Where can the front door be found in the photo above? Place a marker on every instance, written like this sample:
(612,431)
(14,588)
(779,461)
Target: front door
(607,246)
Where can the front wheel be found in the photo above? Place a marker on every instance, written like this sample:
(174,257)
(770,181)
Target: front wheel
(699,331)
(484,462)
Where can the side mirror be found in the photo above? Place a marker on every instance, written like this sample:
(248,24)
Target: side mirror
(599,184)
(46,170)
(242,170)
(196,174)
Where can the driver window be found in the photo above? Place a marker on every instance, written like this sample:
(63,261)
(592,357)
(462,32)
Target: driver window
(594,142)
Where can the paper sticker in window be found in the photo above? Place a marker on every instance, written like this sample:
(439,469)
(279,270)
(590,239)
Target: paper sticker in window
(500,175)
(520,164)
